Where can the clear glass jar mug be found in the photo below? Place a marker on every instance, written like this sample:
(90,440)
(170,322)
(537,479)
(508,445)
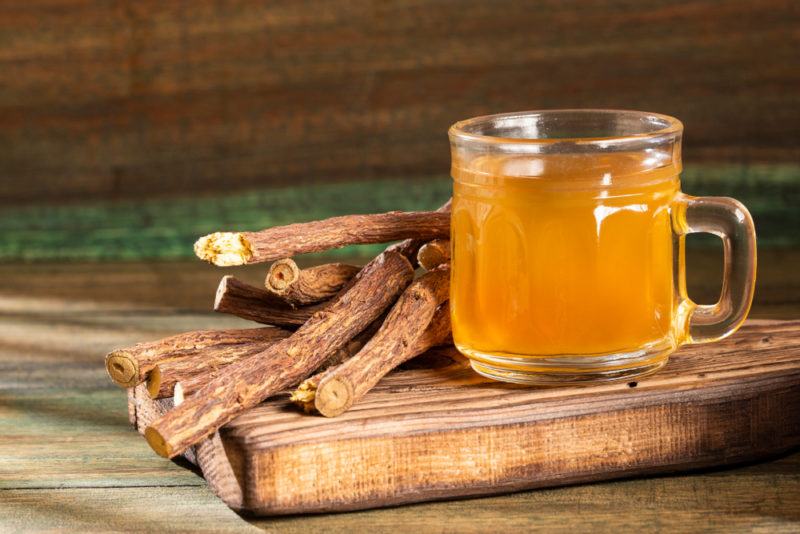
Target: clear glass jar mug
(568,232)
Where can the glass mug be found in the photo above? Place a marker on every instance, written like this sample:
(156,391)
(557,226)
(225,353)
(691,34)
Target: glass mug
(568,230)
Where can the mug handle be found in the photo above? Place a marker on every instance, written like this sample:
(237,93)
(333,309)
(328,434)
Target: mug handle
(730,220)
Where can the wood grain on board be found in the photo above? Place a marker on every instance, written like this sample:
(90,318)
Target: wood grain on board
(755,499)
(428,434)
(130,98)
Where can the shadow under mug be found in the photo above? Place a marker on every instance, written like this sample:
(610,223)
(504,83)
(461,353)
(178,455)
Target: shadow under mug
(568,230)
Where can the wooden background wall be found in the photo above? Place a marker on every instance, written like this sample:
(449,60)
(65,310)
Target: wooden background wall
(103,99)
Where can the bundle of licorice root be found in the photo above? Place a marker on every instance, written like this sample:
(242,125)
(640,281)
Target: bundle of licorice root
(334,330)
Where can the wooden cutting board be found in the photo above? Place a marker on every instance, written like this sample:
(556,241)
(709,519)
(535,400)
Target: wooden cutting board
(441,431)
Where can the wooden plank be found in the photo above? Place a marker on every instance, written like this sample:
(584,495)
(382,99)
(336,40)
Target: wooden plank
(430,434)
(73,438)
(69,460)
(109,99)
(90,291)
(43,347)
(148,509)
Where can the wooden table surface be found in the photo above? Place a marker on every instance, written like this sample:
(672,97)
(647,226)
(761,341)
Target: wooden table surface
(69,461)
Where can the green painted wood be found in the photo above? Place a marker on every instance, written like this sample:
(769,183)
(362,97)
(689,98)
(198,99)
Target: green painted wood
(166,228)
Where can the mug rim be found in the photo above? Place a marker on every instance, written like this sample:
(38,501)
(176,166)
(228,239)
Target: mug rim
(460,131)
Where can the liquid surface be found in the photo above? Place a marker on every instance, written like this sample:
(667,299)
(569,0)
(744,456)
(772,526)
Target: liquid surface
(562,254)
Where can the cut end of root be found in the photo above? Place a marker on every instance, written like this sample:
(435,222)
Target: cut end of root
(154,382)
(157,442)
(222,288)
(281,275)
(333,397)
(177,394)
(304,396)
(433,254)
(122,368)
(224,249)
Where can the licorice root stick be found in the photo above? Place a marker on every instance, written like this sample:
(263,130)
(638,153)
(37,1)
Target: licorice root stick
(193,382)
(301,287)
(225,249)
(394,343)
(162,378)
(130,366)
(410,247)
(437,333)
(434,253)
(255,304)
(247,382)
